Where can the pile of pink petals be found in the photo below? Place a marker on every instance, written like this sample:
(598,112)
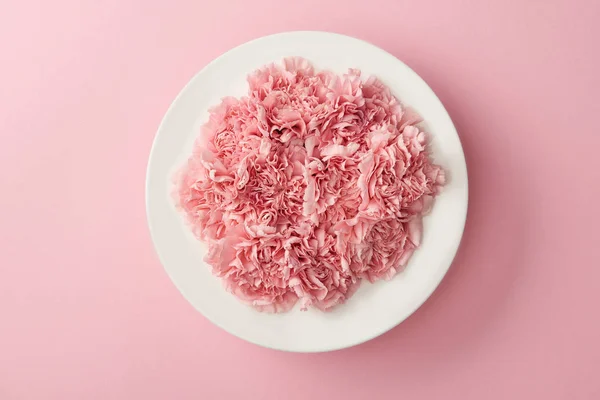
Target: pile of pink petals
(308,185)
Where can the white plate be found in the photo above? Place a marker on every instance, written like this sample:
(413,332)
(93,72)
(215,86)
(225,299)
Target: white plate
(374,309)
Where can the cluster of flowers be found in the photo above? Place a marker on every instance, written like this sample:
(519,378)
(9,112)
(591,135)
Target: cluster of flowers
(306,186)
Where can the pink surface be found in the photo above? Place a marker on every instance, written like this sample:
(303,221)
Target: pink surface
(87,311)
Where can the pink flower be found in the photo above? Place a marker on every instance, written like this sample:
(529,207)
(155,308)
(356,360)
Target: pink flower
(385,248)
(396,177)
(332,193)
(254,269)
(317,277)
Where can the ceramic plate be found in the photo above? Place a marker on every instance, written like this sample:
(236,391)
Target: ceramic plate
(375,308)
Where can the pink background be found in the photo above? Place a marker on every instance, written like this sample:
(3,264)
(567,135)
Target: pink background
(86,310)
